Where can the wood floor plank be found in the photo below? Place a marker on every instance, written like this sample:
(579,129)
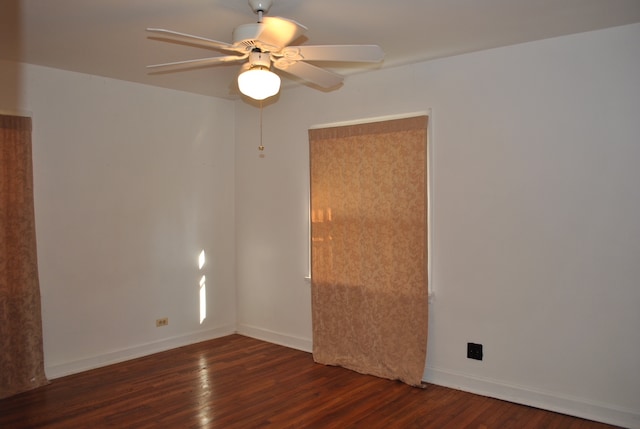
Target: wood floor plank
(240,382)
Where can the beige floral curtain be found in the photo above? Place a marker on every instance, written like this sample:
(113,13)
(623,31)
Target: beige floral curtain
(21,354)
(369,251)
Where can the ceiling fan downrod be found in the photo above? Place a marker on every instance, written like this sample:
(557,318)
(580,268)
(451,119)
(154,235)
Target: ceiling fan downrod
(260,7)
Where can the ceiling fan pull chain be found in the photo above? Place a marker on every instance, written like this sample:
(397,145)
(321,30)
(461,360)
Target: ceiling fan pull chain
(261,147)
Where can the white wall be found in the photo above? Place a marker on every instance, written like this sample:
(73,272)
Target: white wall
(536,216)
(131,183)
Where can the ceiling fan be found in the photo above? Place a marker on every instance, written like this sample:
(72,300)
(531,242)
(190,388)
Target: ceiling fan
(265,44)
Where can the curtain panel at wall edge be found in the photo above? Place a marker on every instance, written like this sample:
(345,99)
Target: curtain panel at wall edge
(21,348)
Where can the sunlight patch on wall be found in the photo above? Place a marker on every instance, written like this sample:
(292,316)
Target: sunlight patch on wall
(203,288)
(203,299)
(201,259)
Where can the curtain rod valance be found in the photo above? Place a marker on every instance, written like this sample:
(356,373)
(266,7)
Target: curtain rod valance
(383,127)
(10,122)
(12,112)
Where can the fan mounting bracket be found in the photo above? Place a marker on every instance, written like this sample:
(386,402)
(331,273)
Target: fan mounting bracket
(260,6)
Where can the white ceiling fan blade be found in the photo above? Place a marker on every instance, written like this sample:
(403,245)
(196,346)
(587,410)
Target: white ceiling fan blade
(190,64)
(176,36)
(316,75)
(351,53)
(279,32)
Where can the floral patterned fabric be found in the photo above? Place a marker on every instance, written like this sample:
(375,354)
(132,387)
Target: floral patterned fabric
(21,354)
(369,251)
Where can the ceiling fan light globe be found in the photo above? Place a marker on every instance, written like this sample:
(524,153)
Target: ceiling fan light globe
(258,83)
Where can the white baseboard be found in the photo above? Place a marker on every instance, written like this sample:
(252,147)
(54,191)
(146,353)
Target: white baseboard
(545,400)
(116,356)
(297,343)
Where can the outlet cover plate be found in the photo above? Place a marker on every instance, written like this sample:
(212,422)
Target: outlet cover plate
(474,351)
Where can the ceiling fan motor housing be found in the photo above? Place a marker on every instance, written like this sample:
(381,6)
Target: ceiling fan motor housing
(247,35)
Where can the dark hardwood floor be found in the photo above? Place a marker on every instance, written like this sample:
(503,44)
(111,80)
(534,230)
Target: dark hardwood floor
(240,382)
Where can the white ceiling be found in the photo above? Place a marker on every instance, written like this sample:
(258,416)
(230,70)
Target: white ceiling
(108,37)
